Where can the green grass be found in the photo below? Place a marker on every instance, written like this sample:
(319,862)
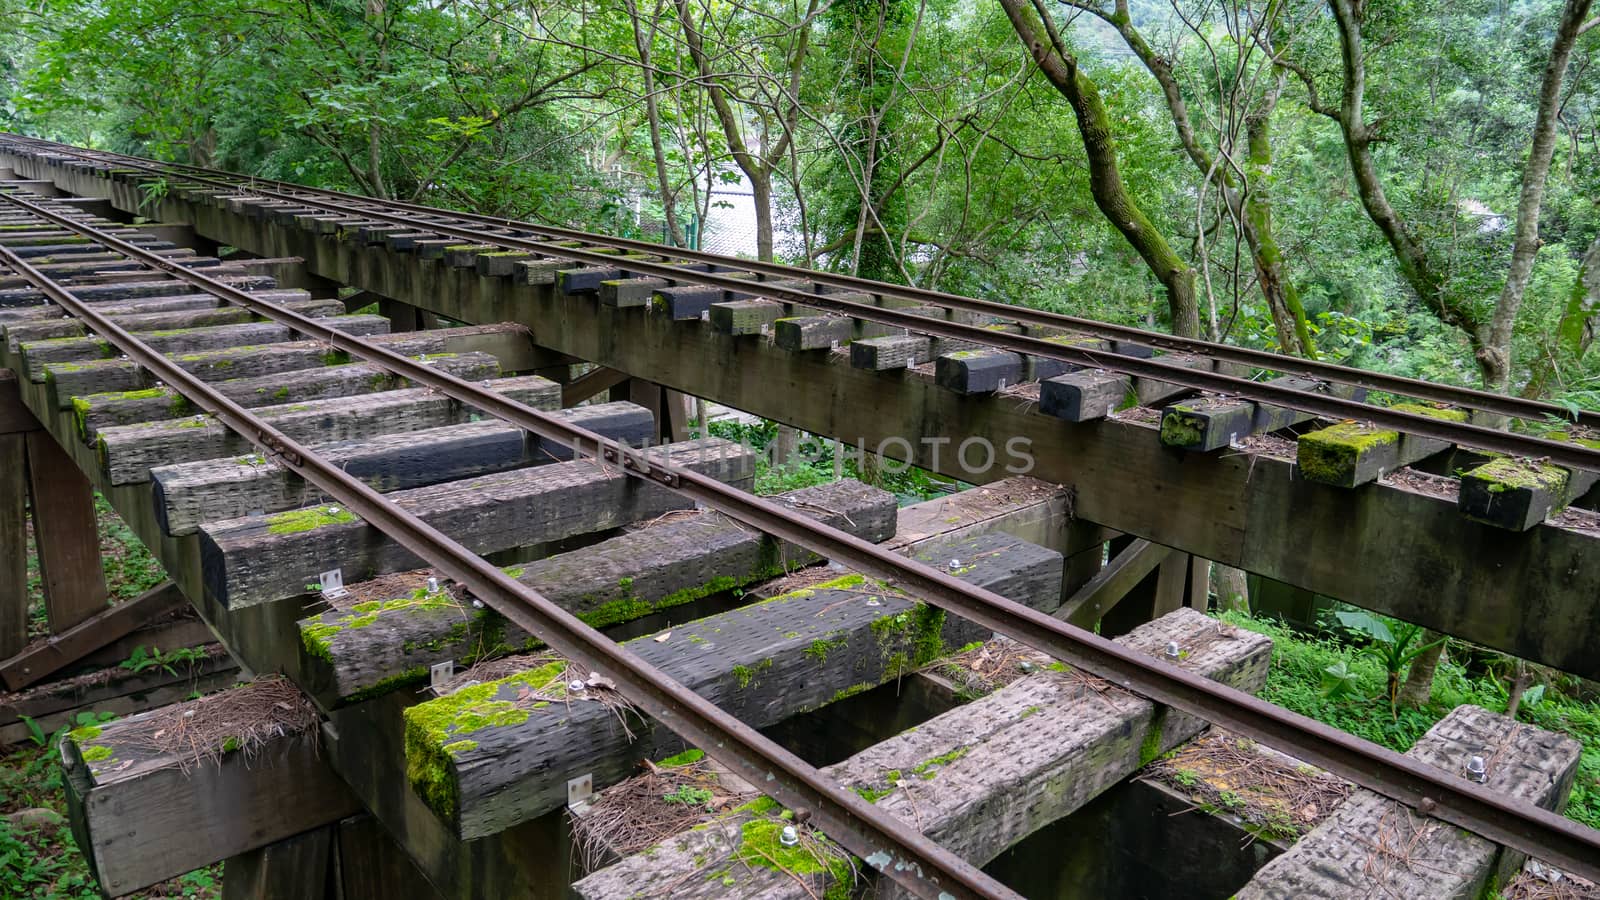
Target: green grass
(1295,679)
(814,466)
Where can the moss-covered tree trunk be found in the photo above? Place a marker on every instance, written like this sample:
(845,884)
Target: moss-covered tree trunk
(1105,177)
(1418,687)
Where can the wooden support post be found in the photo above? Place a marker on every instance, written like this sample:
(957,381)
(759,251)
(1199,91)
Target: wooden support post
(13,543)
(1107,588)
(291,869)
(368,865)
(1172,583)
(65,534)
(1198,596)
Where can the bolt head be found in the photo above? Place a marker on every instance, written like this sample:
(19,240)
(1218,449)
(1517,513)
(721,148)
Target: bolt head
(789,837)
(955,564)
(1173,649)
(577,686)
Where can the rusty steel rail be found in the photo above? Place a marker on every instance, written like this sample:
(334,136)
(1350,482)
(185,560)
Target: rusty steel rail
(1486,401)
(900,852)
(1565,453)
(1446,796)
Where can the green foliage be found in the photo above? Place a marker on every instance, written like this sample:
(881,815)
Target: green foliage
(1393,643)
(1300,663)
(689,795)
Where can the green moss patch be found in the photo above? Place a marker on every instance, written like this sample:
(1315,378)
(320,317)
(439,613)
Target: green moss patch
(434,730)
(1330,455)
(300,520)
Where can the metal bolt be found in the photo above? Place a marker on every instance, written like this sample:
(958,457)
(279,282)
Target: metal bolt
(1477,770)
(1172,649)
(1026,666)
(955,564)
(789,837)
(577,686)
(433,585)
(333,510)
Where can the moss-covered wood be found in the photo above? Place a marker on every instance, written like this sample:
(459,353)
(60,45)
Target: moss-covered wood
(1517,494)
(617,580)
(259,559)
(762,663)
(1354,453)
(978,778)
(189,494)
(127,452)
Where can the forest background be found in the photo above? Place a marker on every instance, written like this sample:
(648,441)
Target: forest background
(1407,186)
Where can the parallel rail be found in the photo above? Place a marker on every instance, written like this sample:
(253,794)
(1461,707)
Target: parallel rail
(856,825)
(1564,453)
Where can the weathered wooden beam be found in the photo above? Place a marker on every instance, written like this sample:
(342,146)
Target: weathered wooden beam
(1517,494)
(507,343)
(762,663)
(17,333)
(1211,422)
(252,776)
(53,704)
(1090,394)
(977,779)
(13,541)
(177,300)
(128,452)
(1373,846)
(110,624)
(638,573)
(589,384)
(881,354)
(1350,454)
(189,494)
(1121,574)
(131,289)
(105,410)
(65,535)
(258,559)
(740,317)
(294,868)
(36,355)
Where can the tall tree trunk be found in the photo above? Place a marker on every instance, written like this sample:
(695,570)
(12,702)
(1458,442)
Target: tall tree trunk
(761,194)
(1038,34)
(1232,588)
(1415,267)
(1283,300)
(652,112)
(1495,356)
(1418,688)
(1253,209)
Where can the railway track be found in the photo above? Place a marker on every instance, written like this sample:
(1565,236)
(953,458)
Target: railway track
(1069,342)
(840,813)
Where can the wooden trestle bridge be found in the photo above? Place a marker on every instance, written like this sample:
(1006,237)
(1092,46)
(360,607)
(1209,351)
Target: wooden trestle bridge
(469,618)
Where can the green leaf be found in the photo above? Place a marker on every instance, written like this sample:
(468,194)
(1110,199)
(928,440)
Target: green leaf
(1367,624)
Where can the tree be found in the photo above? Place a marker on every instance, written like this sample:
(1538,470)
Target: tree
(1423,268)
(1060,67)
